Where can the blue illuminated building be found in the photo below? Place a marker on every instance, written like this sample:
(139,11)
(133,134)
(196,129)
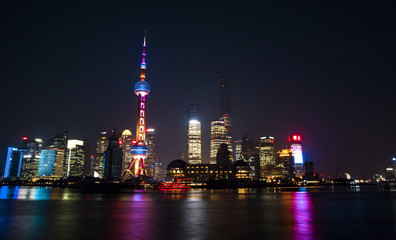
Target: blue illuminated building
(14,162)
(47,162)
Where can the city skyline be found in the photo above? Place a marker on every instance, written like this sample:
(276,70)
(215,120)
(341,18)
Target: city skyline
(334,88)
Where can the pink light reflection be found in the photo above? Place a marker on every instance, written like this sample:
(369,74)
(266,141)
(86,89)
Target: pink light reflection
(302,216)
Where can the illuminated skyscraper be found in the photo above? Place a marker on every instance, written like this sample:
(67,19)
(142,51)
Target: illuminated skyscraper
(76,155)
(218,137)
(59,144)
(238,150)
(194,135)
(267,151)
(286,160)
(47,162)
(152,154)
(101,146)
(139,150)
(225,111)
(126,144)
(14,160)
(294,143)
(31,158)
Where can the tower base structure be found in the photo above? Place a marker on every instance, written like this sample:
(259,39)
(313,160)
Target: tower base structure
(139,152)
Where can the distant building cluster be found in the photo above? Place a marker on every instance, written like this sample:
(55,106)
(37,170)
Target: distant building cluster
(250,160)
(61,157)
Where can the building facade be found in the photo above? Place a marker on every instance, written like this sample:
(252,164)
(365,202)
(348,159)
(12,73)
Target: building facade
(194,149)
(152,154)
(294,144)
(218,137)
(76,155)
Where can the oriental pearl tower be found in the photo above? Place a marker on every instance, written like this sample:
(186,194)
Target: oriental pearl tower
(139,150)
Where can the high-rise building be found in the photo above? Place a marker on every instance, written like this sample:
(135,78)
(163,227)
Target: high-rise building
(59,144)
(126,144)
(31,159)
(194,135)
(267,151)
(238,150)
(139,150)
(250,155)
(113,158)
(266,148)
(218,137)
(225,111)
(285,158)
(76,156)
(152,155)
(47,162)
(294,143)
(14,161)
(101,146)
(59,141)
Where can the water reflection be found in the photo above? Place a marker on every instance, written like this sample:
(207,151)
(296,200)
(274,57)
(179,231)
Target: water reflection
(302,216)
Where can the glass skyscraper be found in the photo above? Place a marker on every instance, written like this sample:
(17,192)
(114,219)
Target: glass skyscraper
(47,163)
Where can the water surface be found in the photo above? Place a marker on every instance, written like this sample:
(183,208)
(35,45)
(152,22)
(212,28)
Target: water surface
(54,213)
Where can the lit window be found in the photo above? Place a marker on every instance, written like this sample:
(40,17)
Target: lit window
(142,105)
(140,137)
(142,98)
(142,113)
(141,120)
(141,129)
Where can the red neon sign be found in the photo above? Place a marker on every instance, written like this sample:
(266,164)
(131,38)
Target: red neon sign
(25,138)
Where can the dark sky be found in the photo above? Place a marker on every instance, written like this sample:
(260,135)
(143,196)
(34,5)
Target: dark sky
(325,69)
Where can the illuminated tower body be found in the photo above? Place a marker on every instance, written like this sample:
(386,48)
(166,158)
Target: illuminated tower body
(225,111)
(139,150)
(218,137)
(294,144)
(194,135)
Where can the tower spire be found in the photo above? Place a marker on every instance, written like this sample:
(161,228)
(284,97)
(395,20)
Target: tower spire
(143,64)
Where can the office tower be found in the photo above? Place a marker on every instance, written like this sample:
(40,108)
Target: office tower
(194,135)
(76,155)
(59,161)
(47,162)
(294,143)
(59,141)
(152,155)
(101,146)
(30,162)
(14,160)
(238,150)
(267,151)
(225,111)
(285,158)
(126,144)
(266,148)
(224,156)
(218,137)
(158,171)
(250,155)
(59,144)
(113,158)
(139,150)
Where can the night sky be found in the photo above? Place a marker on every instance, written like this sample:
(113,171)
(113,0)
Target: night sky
(325,69)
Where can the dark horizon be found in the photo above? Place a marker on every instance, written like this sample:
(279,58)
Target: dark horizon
(322,69)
